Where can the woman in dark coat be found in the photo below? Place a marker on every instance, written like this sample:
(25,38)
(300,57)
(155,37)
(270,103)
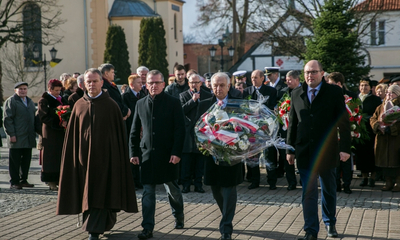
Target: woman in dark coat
(387,143)
(71,85)
(52,133)
(365,152)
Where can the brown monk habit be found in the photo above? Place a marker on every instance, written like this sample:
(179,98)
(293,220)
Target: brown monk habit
(95,170)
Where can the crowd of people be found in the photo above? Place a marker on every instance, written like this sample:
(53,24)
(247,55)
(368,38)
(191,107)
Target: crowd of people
(116,141)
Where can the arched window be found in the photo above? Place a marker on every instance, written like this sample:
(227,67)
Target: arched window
(175,30)
(32,19)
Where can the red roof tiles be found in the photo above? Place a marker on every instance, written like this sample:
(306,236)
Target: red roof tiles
(378,5)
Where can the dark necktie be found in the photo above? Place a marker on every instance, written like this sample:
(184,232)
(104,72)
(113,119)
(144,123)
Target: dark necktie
(138,95)
(313,94)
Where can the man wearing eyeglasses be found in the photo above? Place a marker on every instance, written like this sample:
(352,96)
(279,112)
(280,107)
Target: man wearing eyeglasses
(161,118)
(317,116)
(191,156)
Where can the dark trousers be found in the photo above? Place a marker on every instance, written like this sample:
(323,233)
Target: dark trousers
(270,164)
(345,170)
(226,198)
(136,175)
(327,180)
(189,160)
(19,163)
(149,203)
(290,173)
(96,220)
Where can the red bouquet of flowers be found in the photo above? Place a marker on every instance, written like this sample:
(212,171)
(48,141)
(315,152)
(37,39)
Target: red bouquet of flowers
(357,122)
(283,111)
(64,112)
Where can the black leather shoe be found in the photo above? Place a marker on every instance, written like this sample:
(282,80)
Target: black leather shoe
(308,236)
(272,187)
(253,186)
(26,184)
(371,182)
(93,236)
(364,182)
(179,224)
(347,190)
(199,190)
(291,187)
(331,231)
(145,234)
(186,189)
(226,236)
(15,186)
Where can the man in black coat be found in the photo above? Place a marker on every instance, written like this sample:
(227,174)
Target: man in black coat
(191,156)
(274,80)
(257,78)
(222,178)
(129,98)
(272,74)
(317,115)
(161,118)
(345,168)
(107,71)
(181,83)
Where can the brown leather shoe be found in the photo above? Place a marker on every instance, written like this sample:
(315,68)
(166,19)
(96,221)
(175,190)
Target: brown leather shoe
(396,188)
(15,186)
(26,184)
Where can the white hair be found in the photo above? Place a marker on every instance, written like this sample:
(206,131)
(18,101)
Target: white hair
(194,75)
(65,76)
(141,69)
(220,74)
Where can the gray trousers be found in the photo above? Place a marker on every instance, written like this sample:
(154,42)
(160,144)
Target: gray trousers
(226,198)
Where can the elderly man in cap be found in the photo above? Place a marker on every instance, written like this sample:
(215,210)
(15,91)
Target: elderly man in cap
(240,76)
(19,125)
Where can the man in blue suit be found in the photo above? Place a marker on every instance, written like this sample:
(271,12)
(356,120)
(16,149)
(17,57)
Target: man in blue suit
(316,117)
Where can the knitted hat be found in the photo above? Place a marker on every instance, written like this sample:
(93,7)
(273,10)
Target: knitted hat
(395,89)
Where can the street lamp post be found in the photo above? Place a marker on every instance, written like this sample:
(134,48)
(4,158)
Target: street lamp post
(53,54)
(213,50)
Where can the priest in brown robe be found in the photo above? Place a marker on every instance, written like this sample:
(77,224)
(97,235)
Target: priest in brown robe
(96,179)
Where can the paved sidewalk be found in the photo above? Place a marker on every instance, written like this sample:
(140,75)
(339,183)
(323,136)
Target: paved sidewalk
(260,213)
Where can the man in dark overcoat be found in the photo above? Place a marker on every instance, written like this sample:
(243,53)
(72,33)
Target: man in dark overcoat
(257,78)
(160,115)
(222,178)
(180,84)
(95,178)
(130,98)
(317,115)
(108,74)
(191,156)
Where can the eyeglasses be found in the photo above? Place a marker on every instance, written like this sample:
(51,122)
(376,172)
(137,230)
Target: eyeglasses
(153,83)
(194,83)
(311,72)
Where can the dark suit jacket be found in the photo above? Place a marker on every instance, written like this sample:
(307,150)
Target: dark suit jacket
(116,96)
(313,127)
(235,93)
(73,98)
(350,94)
(265,91)
(163,135)
(281,88)
(129,100)
(219,175)
(190,110)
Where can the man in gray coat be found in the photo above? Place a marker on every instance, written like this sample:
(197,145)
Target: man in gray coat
(19,125)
